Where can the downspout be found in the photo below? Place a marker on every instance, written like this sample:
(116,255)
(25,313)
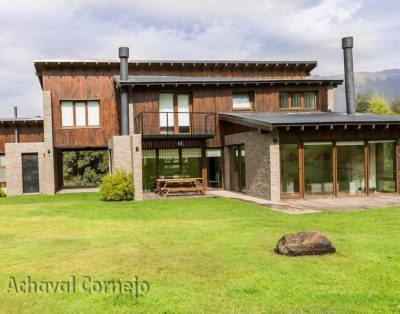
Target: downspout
(124,55)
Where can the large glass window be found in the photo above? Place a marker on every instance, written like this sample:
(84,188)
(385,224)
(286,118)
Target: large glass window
(191,162)
(241,101)
(382,169)
(318,174)
(84,167)
(169,165)
(289,169)
(149,169)
(350,167)
(80,113)
(2,169)
(214,167)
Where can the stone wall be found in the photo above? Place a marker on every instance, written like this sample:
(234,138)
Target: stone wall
(126,154)
(262,163)
(14,153)
(49,176)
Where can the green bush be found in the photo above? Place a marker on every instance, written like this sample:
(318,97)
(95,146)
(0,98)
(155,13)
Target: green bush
(117,187)
(2,193)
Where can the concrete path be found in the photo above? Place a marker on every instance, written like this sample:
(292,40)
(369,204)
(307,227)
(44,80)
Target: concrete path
(79,190)
(306,206)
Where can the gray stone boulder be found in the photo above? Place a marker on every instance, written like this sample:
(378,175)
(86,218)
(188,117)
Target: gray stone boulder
(304,243)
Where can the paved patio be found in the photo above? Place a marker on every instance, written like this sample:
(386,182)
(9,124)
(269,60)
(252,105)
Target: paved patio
(305,206)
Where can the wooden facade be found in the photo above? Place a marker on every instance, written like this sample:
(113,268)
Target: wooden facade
(83,85)
(27,132)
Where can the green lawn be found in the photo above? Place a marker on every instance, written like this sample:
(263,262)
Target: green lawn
(199,255)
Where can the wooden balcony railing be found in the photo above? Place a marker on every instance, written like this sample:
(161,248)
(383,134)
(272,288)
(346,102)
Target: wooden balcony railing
(173,124)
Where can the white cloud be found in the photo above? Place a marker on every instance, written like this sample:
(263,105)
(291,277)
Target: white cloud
(196,29)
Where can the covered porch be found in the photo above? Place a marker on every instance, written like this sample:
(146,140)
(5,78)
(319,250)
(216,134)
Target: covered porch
(322,154)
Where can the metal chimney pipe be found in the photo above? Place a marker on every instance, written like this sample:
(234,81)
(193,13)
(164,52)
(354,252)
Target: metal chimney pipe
(347,45)
(16,132)
(124,69)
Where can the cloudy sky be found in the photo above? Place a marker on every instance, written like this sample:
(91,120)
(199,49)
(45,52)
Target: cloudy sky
(195,29)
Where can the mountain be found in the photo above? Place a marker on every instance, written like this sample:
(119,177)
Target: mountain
(386,83)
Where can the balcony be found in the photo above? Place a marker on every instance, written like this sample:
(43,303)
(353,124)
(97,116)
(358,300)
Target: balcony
(176,125)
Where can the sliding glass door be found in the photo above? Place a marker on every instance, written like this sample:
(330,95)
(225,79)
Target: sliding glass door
(290,169)
(318,169)
(382,167)
(350,168)
(337,168)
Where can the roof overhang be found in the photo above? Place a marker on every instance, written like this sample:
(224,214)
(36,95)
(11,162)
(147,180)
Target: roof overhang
(21,122)
(175,81)
(269,121)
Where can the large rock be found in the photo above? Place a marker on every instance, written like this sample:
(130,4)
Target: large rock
(304,243)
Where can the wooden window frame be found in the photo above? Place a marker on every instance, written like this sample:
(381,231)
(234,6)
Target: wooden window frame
(251,98)
(175,95)
(336,193)
(290,95)
(74,114)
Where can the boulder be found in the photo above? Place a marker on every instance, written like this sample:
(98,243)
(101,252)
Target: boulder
(304,243)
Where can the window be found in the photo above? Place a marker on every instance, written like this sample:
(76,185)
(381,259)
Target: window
(175,113)
(80,113)
(2,169)
(82,168)
(241,101)
(289,158)
(296,100)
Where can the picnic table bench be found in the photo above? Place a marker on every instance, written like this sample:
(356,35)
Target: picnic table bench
(165,186)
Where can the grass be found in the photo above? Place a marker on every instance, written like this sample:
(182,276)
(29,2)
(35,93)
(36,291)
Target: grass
(199,255)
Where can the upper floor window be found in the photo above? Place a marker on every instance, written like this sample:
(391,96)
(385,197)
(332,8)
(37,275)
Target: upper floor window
(80,113)
(2,169)
(174,113)
(242,101)
(298,100)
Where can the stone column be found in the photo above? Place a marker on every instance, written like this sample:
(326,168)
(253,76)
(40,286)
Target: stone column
(330,99)
(127,156)
(137,165)
(49,156)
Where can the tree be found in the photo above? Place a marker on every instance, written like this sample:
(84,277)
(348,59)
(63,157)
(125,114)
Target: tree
(363,102)
(396,106)
(379,105)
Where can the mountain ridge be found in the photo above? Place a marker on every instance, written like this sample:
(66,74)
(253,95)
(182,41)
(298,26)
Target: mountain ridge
(385,83)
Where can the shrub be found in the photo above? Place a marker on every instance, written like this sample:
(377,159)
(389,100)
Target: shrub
(117,187)
(2,193)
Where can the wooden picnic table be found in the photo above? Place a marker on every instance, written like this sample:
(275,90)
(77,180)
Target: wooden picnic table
(165,186)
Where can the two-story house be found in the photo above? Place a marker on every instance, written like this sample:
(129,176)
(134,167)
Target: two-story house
(265,128)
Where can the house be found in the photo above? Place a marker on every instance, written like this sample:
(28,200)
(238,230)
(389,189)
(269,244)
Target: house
(263,128)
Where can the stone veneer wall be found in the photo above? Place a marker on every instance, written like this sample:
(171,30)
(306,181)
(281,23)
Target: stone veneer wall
(262,163)
(49,175)
(14,153)
(127,155)
(45,153)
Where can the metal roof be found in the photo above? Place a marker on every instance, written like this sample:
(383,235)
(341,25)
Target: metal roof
(20,120)
(311,64)
(269,120)
(199,80)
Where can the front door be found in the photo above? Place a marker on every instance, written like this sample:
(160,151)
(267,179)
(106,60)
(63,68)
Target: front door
(30,173)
